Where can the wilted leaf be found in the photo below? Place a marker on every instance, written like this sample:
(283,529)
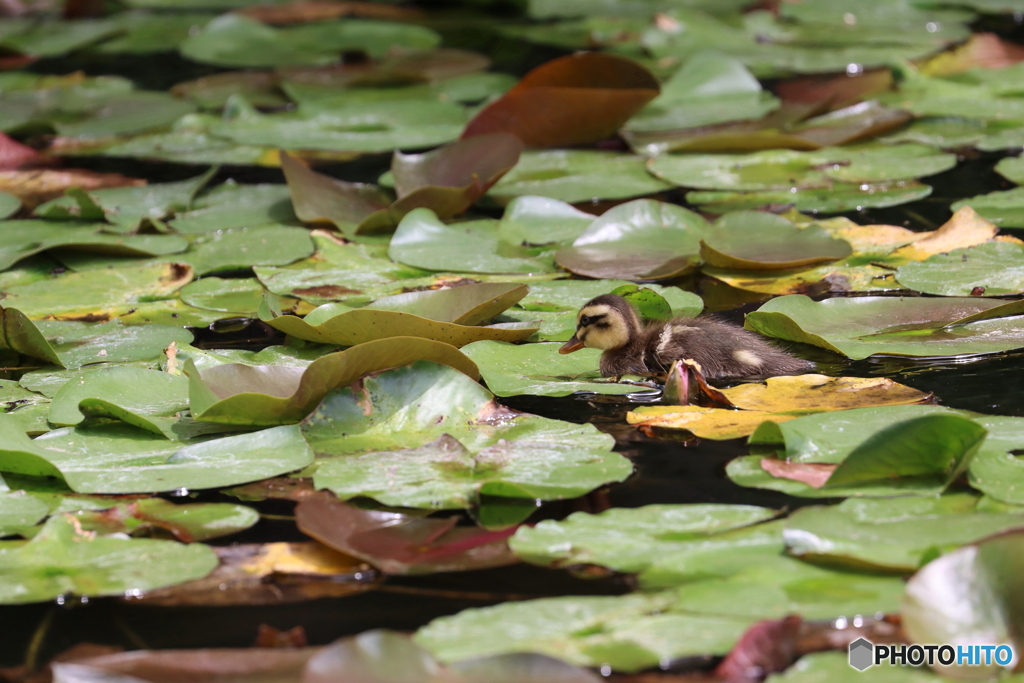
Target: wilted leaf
(397,543)
(256,574)
(965,229)
(35,186)
(572,100)
(318,198)
(253,395)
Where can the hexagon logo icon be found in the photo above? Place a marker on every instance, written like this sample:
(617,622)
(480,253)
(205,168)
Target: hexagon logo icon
(862,654)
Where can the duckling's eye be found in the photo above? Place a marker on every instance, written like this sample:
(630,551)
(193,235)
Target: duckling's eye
(585,320)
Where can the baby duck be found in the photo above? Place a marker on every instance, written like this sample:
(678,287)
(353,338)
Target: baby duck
(610,323)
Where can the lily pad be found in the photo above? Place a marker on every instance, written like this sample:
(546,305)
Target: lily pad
(784,169)
(754,240)
(253,395)
(539,370)
(532,220)
(240,296)
(1004,208)
(863,326)
(27,237)
(121,458)
(19,511)
(640,240)
(133,395)
(897,534)
(837,198)
(188,522)
(987,604)
(448,403)
(318,198)
(423,241)
(98,294)
(239,248)
(9,205)
(234,40)
(443,474)
(231,205)
(990,269)
(629,539)
(63,559)
(577,176)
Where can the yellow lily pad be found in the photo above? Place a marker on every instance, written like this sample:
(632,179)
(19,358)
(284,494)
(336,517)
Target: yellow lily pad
(707,423)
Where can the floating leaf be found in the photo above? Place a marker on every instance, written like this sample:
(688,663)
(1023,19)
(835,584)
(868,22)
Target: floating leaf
(629,539)
(641,240)
(399,543)
(577,176)
(864,326)
(539,370)
(1004,208)
(63,559)
(835,199)
(24,238)
(251,574)
(533,220)
(572,100)
(231,205)
(753,240)
(897,534)
(98,294)
(466,305)
(448,180)
(9,205)
(778,399)
(990,269)
(237,41)
(253,395)
(120,458)
(240,296)
(987,604)
(20,511)
(189,522)
(319,198)
(239,248)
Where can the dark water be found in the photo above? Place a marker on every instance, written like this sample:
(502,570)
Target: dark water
(668,470)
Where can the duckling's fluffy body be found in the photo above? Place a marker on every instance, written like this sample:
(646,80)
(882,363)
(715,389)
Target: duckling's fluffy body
(632,347)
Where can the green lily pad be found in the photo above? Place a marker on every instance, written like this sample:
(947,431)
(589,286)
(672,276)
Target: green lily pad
(754,240)
(786,169)
(240,296)
(53,38)
(634,632)
(98,294)
(709,88)
(239,248)
(74,344)
(863,326)
(466,305)
(641,240)
(277,394)
(233,40)
(897,534)
(539,370)
(835,668)
(629,539)
(835,199)
(190,142)
(1004,208)
(447,403)
(1011,168)
(63,559)
(9,205)
(576,176)
(444,474)
(989,269)
(231,205)
(133,395)
(423,241)
(125,207)
(24,238)
(987,604)
(19,511)
(420,120)
(148,32)
(121,458)
(531,220)
(996,470)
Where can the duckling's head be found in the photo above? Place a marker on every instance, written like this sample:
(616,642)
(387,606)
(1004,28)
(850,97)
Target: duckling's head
(605,322)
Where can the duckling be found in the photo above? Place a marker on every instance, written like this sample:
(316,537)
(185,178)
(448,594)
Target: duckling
(610,323)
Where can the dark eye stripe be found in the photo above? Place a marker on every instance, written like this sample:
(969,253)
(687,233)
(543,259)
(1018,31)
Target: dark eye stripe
(591,319)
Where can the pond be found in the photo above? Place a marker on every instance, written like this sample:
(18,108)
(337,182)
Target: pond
(221,290)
